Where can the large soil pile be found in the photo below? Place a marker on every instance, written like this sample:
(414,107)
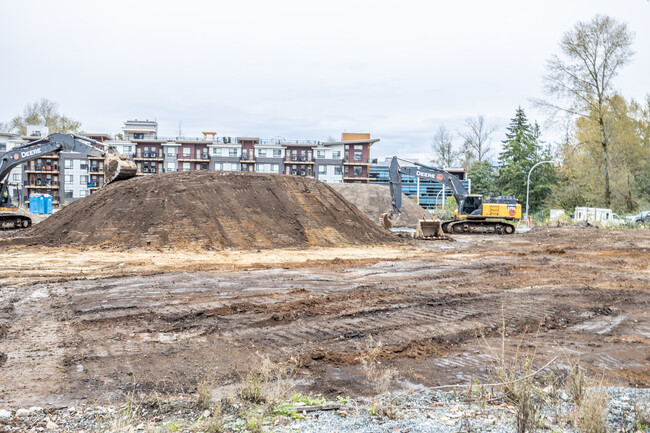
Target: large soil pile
(210,210)
(374,200)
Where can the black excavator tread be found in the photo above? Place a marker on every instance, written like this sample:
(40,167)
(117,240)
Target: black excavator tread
(478,227)
(13,222)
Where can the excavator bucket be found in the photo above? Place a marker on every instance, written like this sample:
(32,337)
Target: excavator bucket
(117,167)
(429,229)
(388,220)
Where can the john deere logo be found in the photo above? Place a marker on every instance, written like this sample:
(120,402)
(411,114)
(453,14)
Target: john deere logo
(440,177)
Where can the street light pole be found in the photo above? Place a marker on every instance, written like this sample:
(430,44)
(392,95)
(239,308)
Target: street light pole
(528,183)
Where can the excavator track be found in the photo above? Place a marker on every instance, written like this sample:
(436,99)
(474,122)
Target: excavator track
(11,221)
(478,227)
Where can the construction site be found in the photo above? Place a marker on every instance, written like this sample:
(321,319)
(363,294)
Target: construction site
(140,288)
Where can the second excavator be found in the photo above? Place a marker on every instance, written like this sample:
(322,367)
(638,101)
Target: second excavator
(116,167)
(475,214)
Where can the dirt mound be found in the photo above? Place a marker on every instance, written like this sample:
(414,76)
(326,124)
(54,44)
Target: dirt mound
(374,200)
(214,210)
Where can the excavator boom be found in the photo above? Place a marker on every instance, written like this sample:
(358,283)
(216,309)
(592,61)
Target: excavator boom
(116,167)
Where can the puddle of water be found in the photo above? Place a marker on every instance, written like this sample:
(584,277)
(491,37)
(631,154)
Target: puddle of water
(601,325)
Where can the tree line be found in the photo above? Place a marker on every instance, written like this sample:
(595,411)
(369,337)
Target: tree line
(603,159)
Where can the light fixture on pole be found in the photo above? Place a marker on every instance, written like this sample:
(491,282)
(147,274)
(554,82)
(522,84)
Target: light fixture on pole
(528,183)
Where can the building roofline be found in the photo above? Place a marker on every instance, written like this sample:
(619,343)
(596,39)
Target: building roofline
(370,141)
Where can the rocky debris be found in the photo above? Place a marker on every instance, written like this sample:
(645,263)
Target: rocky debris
(209,210)
(437,412)
(374,200)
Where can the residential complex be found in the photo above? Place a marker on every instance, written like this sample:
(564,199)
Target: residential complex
(69,176)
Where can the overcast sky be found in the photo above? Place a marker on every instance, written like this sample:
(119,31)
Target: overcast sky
(296,69)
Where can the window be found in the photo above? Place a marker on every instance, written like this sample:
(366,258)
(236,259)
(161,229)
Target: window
(67,164)
(322,169)
(17,177)
(69,179)
(83,165)
(186,166)
(261,153)
(3,147)
(320,154)
(336,154)
(186,151)
(171,151)
(277,153)
(358,156)
(275,168)
(67,194)
(83,179)
(358,147)
(127,149)
(171,166)
(216,151)
(83,193)
(358,171)
(138,135)
(338,170)
(232,152)
(347,146)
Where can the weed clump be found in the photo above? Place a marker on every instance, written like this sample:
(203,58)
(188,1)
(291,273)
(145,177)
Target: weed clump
(591,413)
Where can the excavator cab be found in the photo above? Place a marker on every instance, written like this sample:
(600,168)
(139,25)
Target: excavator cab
(470,205)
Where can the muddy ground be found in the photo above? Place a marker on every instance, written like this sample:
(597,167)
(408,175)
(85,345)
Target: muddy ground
(84,326)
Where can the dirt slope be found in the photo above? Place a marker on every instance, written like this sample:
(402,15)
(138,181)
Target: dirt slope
(374,200)
(213,210)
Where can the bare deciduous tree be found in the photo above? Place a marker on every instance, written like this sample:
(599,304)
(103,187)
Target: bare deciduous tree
(582,81)
(43,112)
(477,139)
(443,150)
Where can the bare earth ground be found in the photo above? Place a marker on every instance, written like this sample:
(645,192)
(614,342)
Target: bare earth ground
(93,325)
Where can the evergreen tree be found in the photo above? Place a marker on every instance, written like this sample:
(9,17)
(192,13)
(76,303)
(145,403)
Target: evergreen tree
(522,149)
(483,175)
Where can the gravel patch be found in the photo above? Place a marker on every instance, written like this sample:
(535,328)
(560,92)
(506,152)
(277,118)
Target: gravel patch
(431,412)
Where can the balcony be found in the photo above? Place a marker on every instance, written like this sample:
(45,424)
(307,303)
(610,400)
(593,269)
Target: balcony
(43,170)
(148,171)
(43,185)
(298,160)
(197,158)
(347,161)
(306,142)
(247,158)
(149,156)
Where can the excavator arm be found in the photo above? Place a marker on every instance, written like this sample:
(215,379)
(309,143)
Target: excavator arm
(396,171)
(116,166)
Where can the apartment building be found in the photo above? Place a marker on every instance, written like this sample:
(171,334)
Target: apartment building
(346,160)
(69,176)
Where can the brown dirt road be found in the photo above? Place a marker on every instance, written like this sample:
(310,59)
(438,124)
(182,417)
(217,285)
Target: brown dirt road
(94,327)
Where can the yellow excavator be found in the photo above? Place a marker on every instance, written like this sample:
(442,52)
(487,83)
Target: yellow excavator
(475,214)
(116,167)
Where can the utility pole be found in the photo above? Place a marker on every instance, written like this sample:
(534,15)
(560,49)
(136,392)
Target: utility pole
(528,183)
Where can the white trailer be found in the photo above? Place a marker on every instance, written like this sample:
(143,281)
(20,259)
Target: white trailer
(597,215)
